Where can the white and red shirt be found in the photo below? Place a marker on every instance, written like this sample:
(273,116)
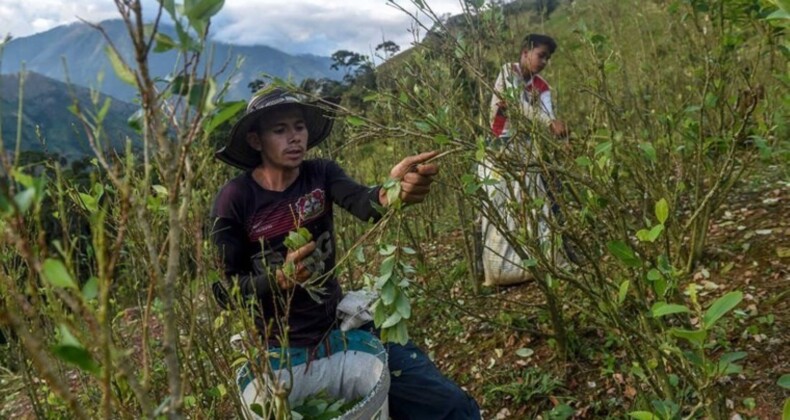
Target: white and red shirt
(533,96)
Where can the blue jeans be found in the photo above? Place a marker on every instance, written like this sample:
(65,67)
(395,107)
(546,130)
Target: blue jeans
(419,391)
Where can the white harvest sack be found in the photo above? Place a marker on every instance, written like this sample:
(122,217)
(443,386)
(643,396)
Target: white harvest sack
(350,365)
(501,264)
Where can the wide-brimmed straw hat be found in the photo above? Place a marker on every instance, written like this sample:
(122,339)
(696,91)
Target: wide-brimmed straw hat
(237,152)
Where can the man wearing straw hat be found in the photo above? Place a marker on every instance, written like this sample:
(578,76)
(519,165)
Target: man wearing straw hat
(279,192)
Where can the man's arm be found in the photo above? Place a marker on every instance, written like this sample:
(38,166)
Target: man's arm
(556,126)
(228,236)
(234,253)
(498,116)
(415,178)
(352,196)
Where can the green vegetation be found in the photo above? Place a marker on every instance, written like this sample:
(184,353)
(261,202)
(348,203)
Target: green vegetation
(48,125)
(679,110)
(322,406)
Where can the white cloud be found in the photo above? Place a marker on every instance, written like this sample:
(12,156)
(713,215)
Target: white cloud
(43,24)
(22,18)
(320,27)
(294,26)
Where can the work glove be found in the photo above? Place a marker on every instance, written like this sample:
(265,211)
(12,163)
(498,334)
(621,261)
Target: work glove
(354,309)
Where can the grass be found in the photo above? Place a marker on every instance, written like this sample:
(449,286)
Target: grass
(632,77)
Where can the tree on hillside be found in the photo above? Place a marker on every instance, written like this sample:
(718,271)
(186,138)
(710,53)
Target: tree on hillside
(350,62)
(544,7)
(388,48)
(322,87)
(364,76)
(256,85)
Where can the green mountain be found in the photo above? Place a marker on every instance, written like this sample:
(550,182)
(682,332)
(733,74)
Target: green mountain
(82,48)
(48,126)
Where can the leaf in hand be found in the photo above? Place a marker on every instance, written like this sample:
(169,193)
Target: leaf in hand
(297,239)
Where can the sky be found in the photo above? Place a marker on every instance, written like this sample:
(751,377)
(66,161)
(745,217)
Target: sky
(295,26)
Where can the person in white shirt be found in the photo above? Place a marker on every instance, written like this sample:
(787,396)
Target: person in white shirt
(534,92)
(519,85)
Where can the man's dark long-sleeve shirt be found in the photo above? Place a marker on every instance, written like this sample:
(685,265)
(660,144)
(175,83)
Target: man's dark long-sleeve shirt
(250,225)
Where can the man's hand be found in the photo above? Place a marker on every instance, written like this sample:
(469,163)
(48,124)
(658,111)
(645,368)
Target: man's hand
(559,129)
(415,178)
(294,270)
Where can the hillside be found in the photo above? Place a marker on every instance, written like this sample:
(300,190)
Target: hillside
(651,266)
(519,17)
(82,48)
(47,124)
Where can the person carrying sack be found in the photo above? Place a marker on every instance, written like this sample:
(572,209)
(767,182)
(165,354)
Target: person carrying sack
(519,84)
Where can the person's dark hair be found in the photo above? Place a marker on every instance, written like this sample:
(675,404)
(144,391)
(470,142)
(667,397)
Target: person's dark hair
(535,40)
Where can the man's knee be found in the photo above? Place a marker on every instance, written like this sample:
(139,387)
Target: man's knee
(461,405)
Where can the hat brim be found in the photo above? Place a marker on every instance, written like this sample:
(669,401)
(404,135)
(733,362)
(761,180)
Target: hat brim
(318,119)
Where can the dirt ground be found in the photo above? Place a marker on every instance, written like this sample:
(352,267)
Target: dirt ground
(493,344)
(487,342)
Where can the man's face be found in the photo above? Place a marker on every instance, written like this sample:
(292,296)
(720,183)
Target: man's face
(534,60)
(281,138)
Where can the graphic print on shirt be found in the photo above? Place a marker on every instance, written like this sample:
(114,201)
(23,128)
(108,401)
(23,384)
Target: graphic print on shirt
(267,259)
(287,215)
(310,205)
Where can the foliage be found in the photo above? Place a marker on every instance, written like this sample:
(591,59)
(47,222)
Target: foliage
(107,278)
(393,308)
(388,48)
(50,129)
(531,387)
(322,406)
(658,146)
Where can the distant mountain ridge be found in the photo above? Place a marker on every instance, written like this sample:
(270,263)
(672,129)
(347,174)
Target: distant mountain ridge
(48,126)
(82,47)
